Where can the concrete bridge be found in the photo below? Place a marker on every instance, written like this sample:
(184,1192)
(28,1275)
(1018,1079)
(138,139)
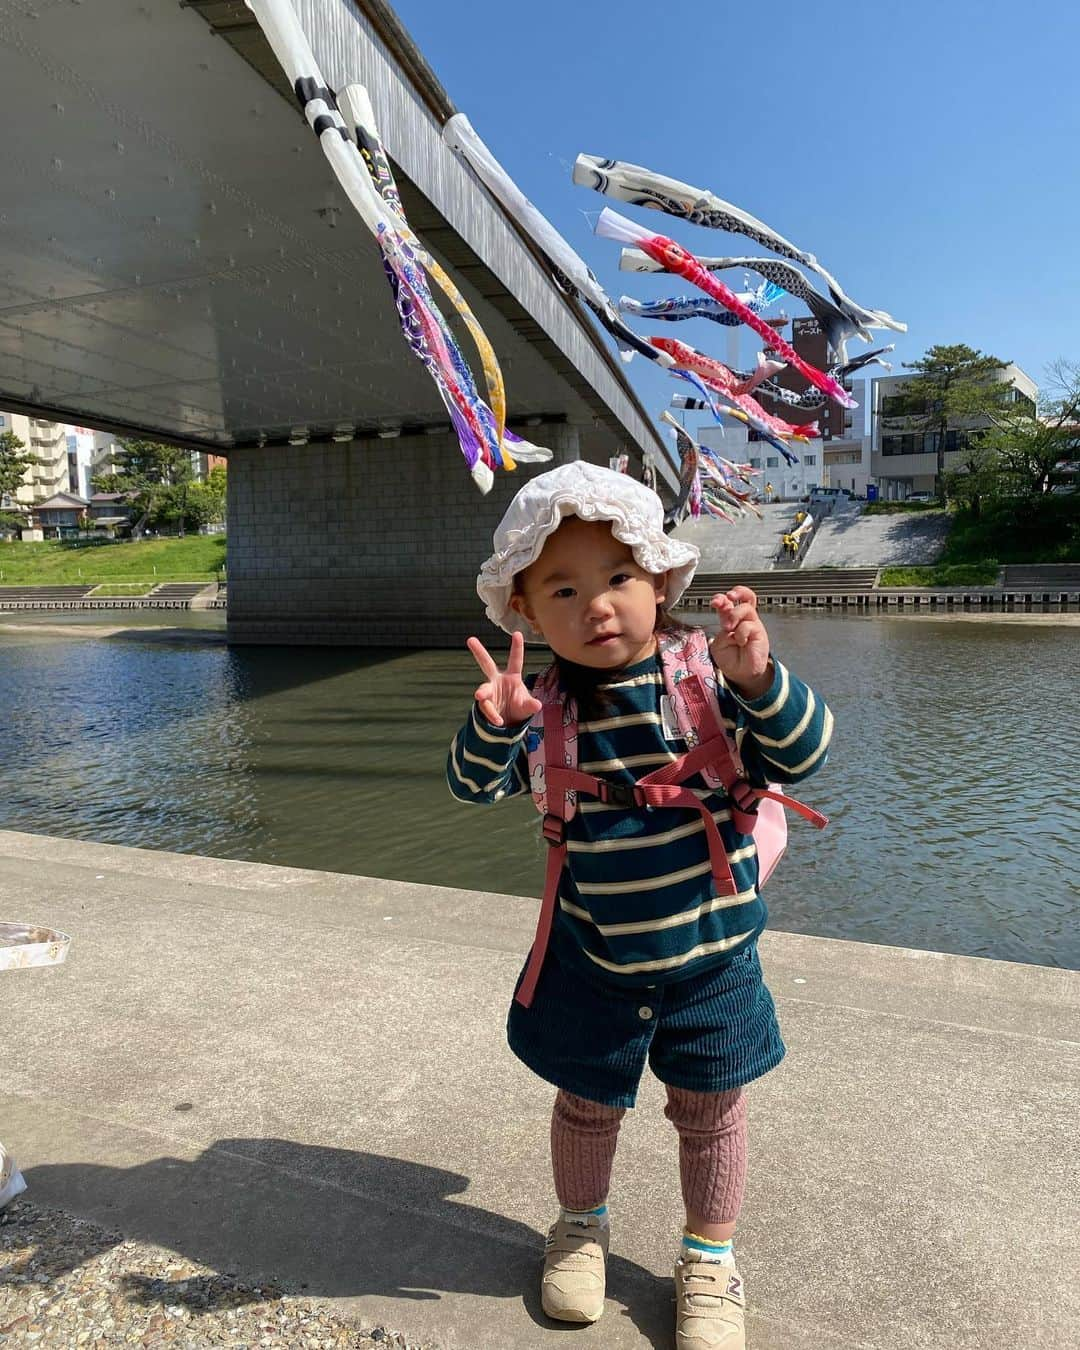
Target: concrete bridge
(177,261)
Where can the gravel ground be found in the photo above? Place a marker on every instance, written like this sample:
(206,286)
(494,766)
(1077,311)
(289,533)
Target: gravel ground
(67,1283)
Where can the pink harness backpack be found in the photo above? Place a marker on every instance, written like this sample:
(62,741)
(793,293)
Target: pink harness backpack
(556,781)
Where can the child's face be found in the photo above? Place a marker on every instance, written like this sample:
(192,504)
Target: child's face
(588,598)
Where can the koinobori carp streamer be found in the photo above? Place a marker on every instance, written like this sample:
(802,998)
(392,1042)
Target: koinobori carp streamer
(568,269)
(642,187)
(371,190)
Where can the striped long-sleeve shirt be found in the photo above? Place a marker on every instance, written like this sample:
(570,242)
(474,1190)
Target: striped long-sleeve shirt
(636,901)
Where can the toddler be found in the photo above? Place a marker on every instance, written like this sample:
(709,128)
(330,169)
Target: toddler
(649,750)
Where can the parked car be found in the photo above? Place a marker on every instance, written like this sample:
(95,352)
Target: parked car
(920,497)
(830,497)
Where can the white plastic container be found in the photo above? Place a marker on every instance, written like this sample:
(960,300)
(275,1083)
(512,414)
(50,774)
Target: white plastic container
(23,945)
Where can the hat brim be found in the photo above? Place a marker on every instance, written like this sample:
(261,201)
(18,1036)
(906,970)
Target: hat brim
(653,553)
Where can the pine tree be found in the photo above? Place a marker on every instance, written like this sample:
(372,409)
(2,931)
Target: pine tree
(149,472)
(953,389)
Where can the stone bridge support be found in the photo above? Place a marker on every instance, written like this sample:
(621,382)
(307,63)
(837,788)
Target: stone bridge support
(372,542)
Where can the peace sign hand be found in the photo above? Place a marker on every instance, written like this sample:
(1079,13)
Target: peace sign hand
(503,698)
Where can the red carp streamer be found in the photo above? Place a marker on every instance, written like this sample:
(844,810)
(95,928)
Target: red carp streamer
(717,376)
(674,258)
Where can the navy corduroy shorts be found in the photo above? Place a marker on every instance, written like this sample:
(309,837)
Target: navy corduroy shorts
(711,1033)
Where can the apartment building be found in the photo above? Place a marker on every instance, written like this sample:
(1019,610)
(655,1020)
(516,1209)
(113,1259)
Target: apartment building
(47,441)
(904,458)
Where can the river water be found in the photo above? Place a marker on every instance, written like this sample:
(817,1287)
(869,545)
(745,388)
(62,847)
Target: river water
(951,786)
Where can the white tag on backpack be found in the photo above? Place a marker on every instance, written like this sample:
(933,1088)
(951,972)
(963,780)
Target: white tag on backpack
(667,719)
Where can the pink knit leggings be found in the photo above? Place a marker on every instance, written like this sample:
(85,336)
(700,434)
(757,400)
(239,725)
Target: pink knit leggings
(712,1150)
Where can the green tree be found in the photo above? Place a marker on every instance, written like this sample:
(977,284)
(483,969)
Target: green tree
(151,472)
(976,478)
(1028,446)
(13,463)
(953,389)
(206,501)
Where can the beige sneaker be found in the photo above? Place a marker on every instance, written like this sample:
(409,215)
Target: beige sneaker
(709,1306)
(11,1181)
(575,1256)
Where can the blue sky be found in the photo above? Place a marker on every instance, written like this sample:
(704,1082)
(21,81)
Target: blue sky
(928,153)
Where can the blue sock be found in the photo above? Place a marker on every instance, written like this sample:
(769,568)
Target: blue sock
(696,1248)
(586,1216)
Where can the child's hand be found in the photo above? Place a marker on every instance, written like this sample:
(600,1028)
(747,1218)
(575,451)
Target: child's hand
(503,698)
(740,651)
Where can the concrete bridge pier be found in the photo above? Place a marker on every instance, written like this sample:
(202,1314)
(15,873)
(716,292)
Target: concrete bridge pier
(371,542)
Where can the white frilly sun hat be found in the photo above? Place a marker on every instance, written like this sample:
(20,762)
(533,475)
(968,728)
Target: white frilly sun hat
(586,490)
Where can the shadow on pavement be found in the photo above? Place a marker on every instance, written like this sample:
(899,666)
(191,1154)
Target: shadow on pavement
(327,1223)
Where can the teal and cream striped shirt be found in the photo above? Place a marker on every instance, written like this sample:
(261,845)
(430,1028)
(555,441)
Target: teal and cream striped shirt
(636,900)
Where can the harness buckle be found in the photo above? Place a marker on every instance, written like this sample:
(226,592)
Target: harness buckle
(618,794)
(553,828)
(743,796)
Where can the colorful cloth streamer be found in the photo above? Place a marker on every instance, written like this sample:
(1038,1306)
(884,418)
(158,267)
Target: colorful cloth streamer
(837,326)
(359,116)
(706,481)
(708,399)
(676,259)
(764,370)
(567,267)
(810,398)
(423,326)
(709,404)
(867,358)
(720,407)
(632,183)
(717,376)
(676,307)
(734,473)
(689,461)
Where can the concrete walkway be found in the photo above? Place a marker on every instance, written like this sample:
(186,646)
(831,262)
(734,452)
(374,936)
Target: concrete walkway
(848,538)
(302,1075)
(745,545)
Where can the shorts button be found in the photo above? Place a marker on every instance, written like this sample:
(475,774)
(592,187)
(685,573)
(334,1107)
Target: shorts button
(644,1013)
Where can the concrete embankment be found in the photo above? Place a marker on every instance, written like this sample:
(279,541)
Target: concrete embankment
(117,632)
(848,538)
(301,1076)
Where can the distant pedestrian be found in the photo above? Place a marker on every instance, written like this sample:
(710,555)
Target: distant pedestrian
(646,947)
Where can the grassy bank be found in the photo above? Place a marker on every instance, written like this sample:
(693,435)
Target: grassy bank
(60,563)
(942,574)
(1018,530)
(1015,530)
(899,508)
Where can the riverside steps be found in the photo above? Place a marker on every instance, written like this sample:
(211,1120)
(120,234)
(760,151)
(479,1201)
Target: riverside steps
(1022,587)
(168,595)
(302,1075)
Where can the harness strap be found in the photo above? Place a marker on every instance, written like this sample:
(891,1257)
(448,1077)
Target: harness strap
(647,792)
(662,787)
(793,804)
(554,831)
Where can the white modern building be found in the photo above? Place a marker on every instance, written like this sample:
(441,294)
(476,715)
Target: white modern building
(80,449)
(847,459)
(103,455)
(788,482)
(47,442)
(904,457)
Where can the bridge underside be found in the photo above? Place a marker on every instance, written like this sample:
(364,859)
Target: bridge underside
(177,261)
